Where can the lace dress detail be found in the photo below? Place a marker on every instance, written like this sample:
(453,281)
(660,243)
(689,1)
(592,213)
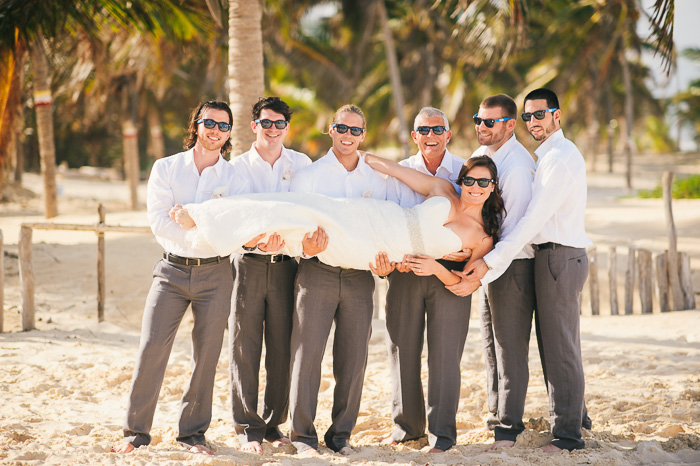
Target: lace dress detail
(414,231)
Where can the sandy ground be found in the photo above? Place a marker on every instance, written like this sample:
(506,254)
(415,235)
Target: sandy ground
(64,385)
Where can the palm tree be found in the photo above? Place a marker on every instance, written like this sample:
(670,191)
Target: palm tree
(27,22)
(246,71)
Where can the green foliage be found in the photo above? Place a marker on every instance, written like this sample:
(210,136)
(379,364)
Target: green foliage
(682,188)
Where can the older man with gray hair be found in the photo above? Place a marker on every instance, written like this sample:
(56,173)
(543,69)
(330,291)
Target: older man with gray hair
(416,304)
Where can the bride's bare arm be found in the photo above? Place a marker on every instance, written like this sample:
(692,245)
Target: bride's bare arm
(424,266)
(467,284)
(417,181)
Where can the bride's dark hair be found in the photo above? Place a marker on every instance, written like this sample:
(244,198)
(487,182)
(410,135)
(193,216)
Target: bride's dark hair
(494,209)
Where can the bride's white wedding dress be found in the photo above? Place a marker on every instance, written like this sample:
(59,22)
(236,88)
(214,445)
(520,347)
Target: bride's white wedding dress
(357,228)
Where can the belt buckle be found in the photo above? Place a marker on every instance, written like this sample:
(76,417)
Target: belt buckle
(188,260)
(273,259)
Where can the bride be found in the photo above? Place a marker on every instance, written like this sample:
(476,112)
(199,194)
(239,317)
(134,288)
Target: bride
(474,216)
(359,229)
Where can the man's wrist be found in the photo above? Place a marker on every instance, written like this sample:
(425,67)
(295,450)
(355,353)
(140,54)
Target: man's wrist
(249,249)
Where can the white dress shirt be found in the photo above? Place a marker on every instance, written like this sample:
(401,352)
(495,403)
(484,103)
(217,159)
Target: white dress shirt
(329,177)
(404,196)
(266,178)
(557,210)
(516,170)
(176,180)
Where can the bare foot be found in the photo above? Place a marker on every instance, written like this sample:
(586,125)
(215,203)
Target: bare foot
(389,441)
(549,448)
(347,450)
(201,448)
(281,441)
(436,450)
(308,453)
(500,444)
(252,447)
(124,447)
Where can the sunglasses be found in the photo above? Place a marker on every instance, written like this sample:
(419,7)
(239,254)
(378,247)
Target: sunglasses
(425,130)
(539,114)
(469,181)
(267,124)
(342,129)
(489,122)
(209,124)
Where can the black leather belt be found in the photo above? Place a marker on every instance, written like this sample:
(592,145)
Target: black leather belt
(271,258)
(192,260)
(550,245)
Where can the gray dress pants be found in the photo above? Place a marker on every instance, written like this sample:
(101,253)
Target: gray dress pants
(416,306)
(323,295)
(512,302)
(487,339)
(560,273)
(261,307)
(208,289)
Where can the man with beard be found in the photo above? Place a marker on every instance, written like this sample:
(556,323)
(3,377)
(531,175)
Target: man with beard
(185,276)
(554,224)
(512,295)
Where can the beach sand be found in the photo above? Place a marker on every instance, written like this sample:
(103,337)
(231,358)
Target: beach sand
(63,386)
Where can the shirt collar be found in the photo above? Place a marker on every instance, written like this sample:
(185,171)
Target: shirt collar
(253,155)
(503,151)
(445,163)
(189,161)
(547,145)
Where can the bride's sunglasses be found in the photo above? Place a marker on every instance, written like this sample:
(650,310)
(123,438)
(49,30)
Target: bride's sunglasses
(342,129)
(469,181)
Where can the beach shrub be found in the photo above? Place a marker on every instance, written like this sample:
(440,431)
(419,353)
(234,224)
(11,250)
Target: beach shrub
(682,188)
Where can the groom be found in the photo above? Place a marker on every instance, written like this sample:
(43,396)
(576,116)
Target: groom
(416,305)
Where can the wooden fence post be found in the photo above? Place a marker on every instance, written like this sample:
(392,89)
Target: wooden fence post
(673,263)
(593,279)
(2,282)
(612,278)
(686,280)
(661,268)
(101,266)
(629,280)
(26,278)
(646,289)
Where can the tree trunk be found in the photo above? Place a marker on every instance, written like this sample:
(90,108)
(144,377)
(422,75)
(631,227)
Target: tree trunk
(629,117)
(44,123)
(156,136)
(131,160)
(395,77)
(246,70)
(609,115)
(673,264)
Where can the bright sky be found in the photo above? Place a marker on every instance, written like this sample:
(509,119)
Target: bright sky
(686,34)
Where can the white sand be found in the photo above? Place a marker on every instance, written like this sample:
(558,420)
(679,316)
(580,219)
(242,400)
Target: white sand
(63,386)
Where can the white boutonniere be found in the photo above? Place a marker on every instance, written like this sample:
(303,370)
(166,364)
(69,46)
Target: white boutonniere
(288,174)
(367,193)
(218,193)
